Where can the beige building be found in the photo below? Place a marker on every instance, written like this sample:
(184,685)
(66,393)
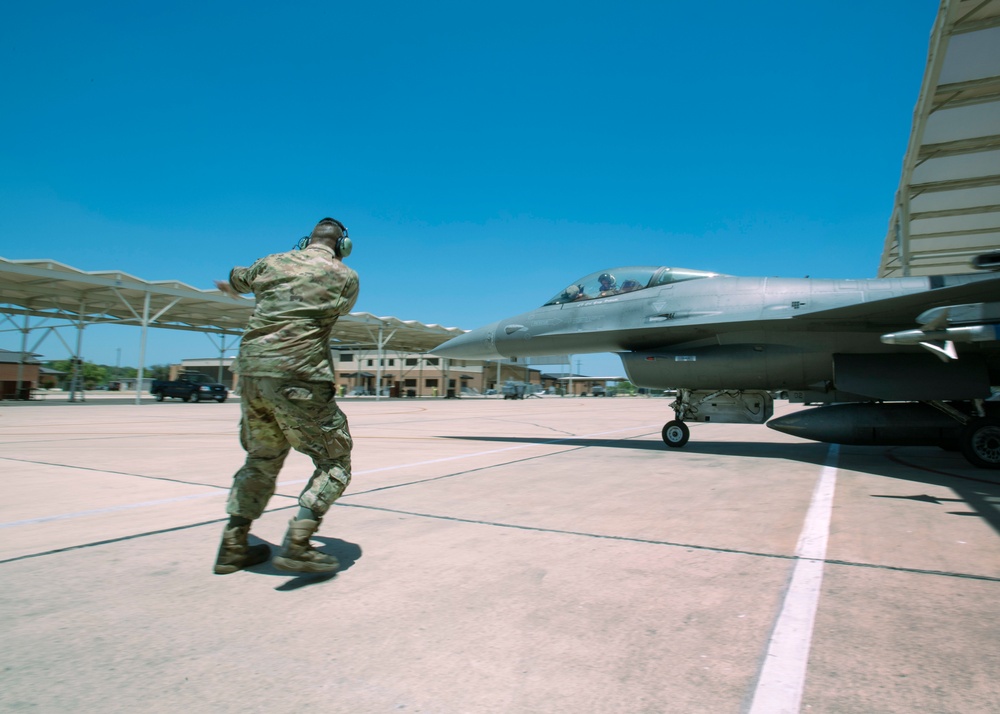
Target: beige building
(415,375)
(424,375)
(402,374)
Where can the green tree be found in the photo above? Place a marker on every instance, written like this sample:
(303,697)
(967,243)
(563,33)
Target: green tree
(60,365)
(91,375)
(158,371)
(625,387)
(94,375)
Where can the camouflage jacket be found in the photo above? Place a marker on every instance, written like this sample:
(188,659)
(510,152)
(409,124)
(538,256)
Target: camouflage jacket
(300,294)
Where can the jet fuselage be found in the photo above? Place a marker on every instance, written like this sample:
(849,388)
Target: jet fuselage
(713,331)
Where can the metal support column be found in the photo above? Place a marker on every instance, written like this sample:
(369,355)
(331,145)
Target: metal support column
(378,363)
(77,381)
(20,361)
(142,349)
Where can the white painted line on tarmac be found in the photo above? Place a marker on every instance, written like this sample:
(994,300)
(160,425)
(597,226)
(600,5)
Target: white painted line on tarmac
(783,674)
(225,491)
(111,509)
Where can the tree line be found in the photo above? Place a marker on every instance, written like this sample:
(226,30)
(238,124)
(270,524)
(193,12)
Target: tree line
(99,375)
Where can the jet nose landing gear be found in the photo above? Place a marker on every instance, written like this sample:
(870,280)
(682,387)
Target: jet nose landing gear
(726,406)
(676,433)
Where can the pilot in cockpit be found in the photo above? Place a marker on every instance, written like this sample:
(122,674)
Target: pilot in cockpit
(609,285)
(573,293)
(630,285)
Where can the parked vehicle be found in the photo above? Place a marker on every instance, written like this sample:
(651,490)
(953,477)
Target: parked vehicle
(189,387)
(520,390)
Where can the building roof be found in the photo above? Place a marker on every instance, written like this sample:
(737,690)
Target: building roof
(9,357)
(49,289)
(947,207)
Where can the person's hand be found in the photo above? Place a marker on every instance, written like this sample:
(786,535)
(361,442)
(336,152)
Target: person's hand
(225,287)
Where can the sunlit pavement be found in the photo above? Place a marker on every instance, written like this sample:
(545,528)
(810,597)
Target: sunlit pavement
(539,556)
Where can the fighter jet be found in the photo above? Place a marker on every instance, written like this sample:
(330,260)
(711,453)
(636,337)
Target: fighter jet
(896,360)
(905,358)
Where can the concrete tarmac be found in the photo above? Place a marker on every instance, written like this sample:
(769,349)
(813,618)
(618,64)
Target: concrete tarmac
(539,556)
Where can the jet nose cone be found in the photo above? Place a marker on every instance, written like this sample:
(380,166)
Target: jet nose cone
(477,344)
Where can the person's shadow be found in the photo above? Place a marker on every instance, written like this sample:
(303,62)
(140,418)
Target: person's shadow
(345,552)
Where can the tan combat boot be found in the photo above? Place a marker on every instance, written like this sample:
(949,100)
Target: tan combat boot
(298,555)
(236,554)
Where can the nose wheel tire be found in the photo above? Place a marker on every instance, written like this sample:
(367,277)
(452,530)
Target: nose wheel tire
(981,443)
(676,434)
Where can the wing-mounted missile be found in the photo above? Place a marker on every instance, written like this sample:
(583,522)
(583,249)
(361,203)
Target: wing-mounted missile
(987,261)
(942,327)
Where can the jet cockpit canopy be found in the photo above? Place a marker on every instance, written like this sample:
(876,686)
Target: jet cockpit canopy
(616,281)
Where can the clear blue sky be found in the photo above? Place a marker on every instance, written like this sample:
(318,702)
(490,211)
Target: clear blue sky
(482,154)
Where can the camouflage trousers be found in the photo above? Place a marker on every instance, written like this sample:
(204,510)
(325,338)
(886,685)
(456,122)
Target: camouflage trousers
(281,414)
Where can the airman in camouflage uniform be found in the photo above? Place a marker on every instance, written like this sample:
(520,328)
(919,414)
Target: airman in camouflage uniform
(287,392)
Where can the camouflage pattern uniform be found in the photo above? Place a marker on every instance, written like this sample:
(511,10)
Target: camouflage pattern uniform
(286,383)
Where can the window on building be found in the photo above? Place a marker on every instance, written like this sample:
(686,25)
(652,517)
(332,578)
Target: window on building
(411,362)
(430,383)
(433,361)
(346,357)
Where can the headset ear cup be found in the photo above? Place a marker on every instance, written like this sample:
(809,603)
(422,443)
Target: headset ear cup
(344,247)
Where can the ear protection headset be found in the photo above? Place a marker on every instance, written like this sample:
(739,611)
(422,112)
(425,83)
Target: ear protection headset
(343,246)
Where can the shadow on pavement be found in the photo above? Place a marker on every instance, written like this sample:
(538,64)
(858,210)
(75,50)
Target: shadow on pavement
(979,489)
(344,551)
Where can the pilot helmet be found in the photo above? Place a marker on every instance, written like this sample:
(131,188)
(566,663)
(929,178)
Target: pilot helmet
(606,278)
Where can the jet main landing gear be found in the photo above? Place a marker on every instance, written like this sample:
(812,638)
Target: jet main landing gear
(979,440)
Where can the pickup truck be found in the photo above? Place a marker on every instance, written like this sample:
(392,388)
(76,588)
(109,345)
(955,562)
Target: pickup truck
(189,387)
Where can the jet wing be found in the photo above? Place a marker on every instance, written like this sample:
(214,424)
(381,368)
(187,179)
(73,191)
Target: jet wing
(876,316)
(885,314)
